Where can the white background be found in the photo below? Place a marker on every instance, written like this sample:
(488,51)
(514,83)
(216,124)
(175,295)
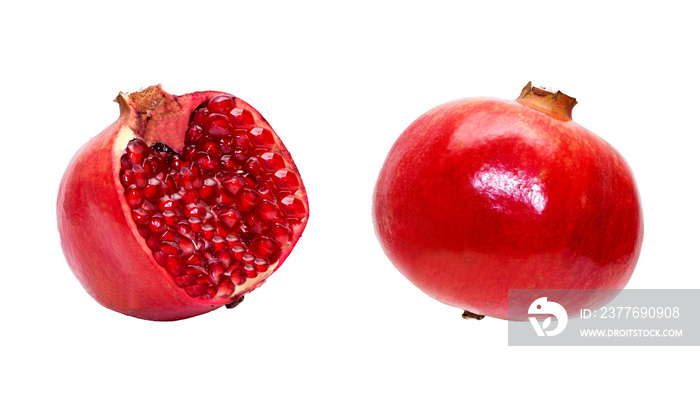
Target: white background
(338,81)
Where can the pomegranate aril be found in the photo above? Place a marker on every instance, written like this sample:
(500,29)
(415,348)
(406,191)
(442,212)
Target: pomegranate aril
(238,277)
(254,166)
(140,216)
(221,104)
(238,251)
(218,243)
(241,118)
(133,196)
(261,137)
(241,154)
(217,125)
(170,248)
(186,279)
(271,162)
(168,235)
(200,115)
(229,216)
(243,140)
(194,211)
(216,269)
(293,207)
(205,164)
(210,190)
(137,151)
(173,266)
(195,223)
(153,190)
(193,259)
(246,199)
(128,178)
(233,183)
(186,245)
(157,223)
(250,270)
(225,288)
(229,163)
(140,177)
(266,210)
(225,256)
(171,218)
(262,246)
(176,163)
(261,264)
(208,231)
(153,165)
(280,232)
(286,180)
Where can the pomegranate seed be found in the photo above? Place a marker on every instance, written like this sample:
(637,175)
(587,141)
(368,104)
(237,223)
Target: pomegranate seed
(193,259)
(157,223)
(171,218)
(128,178)
(209,191)
(193,135)
(280,232)
(195,223)
(261,265)
(263,246)
(218,243)
(137,151)
(140,216)
(208,231)
(186,245)
(140,177)
(229,216)
(293,207)
(262,138)
(241,118)
(233,184)
(216,269)
(246,199)
(266,210)
(217,125)
(153,190)
(221,104)
(199,116)
(239,251)
(225,288)
(286,180)
(133,196)
(271,162)
(170,248)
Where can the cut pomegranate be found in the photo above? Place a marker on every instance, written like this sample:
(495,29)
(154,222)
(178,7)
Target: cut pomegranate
(183,205)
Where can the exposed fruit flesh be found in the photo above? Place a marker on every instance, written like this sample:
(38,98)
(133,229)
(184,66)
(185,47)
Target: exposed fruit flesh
(220,213)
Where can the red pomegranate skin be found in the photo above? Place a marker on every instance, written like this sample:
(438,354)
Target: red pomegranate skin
(479,196)
(99,239)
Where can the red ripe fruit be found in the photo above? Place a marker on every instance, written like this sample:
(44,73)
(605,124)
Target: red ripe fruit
(479,196)
(145,208)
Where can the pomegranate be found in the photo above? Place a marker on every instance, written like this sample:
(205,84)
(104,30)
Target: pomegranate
(183,205)
(480,196)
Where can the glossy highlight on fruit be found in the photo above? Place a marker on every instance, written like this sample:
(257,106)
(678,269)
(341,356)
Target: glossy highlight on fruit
(183,205)
(480,195)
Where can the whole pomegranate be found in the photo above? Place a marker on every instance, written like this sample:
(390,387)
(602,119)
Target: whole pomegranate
(479,196)
(183,205)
